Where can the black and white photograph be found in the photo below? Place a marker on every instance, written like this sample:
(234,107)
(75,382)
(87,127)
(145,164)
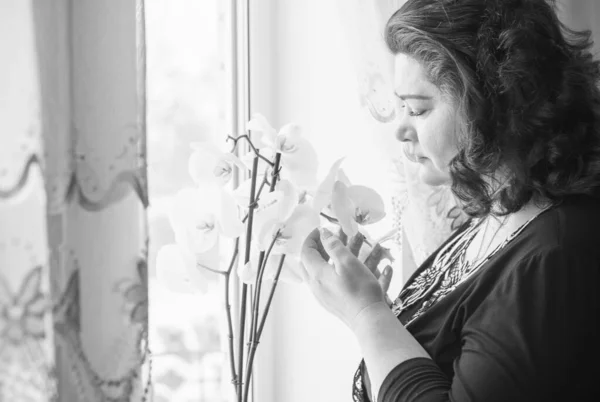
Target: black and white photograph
(299,200)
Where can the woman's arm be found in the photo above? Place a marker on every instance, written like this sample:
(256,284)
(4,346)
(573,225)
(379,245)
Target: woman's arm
(527,341)
(384,343)
(350,291)
(524,342)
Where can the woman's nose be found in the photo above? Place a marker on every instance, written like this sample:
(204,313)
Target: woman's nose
(405,133)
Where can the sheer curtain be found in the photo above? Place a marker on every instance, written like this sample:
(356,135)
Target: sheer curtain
(423,216)
(73,289)
(26,349)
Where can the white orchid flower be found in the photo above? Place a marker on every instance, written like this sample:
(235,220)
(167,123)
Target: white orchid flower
(176,269)
(209,165)
(242,193)
(290,232)
(199,216)
(356,205)
(298,156)
(262,132)
(322,196)
(248,160)
(351,205)
(280,211)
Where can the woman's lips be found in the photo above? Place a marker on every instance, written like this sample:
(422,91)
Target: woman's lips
(412,157)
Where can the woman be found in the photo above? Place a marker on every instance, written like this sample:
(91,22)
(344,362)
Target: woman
(500,100)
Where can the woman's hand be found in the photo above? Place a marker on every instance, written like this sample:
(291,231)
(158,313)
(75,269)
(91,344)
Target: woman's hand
(345,287)
(371,257)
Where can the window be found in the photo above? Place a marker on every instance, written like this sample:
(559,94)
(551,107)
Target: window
(187,87)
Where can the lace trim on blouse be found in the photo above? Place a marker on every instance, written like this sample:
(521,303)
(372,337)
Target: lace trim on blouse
(448,270)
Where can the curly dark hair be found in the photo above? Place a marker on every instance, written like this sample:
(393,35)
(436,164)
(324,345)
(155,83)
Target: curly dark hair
(528,88)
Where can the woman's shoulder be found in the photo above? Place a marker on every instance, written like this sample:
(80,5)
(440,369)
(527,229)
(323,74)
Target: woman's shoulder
(563,238)
(574,224)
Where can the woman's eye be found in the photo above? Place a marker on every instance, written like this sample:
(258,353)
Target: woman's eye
(412,113)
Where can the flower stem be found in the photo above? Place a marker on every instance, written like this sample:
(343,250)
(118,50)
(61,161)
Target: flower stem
(262,259)
(254,339)
(234,377)
(268,305)
(255,203)
(256,151)
(245,286)
(209,269)
(259,275)
(254,343)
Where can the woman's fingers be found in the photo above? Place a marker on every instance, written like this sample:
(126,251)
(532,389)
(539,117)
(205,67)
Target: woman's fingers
(384,281)
(343,237)
(342,258)
(374,258)
(313,255)
(313,240)
(386,278)
(356,243)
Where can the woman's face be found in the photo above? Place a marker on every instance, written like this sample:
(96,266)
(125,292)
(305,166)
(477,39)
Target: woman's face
(427,123)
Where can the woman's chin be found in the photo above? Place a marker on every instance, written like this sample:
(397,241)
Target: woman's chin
(431,175)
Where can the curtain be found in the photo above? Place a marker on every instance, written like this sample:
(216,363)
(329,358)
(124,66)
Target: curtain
(26,346)
(73,195)
(424,216)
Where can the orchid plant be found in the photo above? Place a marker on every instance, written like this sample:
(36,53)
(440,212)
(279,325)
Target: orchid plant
(270,214)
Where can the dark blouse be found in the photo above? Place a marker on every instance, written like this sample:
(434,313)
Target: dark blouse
(522,328)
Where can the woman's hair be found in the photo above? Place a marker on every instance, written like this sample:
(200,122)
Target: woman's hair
(528,88)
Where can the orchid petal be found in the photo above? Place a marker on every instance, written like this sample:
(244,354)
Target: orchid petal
(231,160)
(234,160)
(265,233)
(247,273)
(323,194)
(201,166)
(289,199)
(175,268)
(267,213)
(303,196)
(302,157)
(198,238)
(248,160)
(241,194)
(184,202)
(259,122)
(207,164)
(230,224)
(341,176)
(344,209)
(270,206)
(304,219)
(273,209)
(264,133)
(369,206)
(302,178)
(289,138)
(208,260)
(193,219)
